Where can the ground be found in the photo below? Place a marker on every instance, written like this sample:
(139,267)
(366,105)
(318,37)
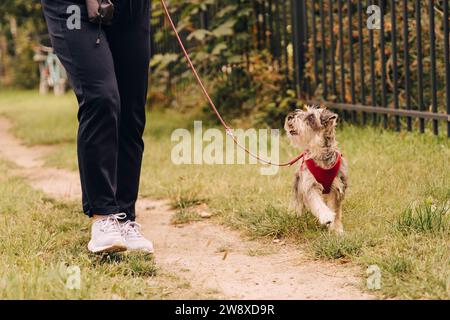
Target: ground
(395,216)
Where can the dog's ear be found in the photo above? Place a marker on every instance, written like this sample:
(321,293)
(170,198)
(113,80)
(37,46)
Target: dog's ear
(328,118)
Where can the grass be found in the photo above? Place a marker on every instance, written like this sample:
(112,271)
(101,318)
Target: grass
(184,203)
(45,120)
(184,216)
(41,238)
(330,246)
(425,218)
(389,173)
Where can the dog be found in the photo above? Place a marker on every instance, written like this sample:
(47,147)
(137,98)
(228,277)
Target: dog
(322,180)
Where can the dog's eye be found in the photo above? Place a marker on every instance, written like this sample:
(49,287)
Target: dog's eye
(290,118)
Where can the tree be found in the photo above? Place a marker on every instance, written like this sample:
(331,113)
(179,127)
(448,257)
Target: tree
(21,27)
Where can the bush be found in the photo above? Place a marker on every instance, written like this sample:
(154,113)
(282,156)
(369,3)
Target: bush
(25,70)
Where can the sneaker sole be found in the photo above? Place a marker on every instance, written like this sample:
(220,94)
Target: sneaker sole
(141,251)
(114,248)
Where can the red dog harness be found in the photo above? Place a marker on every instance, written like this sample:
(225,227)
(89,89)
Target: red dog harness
(324,176)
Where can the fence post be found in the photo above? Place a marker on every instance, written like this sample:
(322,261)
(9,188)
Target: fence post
(257,24)
(285,41)
(264,23)
(447,61)
(203,19)
(152,33)
(298,43)
(277,33)
(419,59)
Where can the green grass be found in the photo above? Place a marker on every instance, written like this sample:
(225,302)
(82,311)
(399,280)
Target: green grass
(425,218)
(46,120)
(389,173)
(41,237)
(330,246)
(41,119)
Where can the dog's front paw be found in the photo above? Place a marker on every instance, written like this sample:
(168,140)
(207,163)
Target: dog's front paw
(327,218)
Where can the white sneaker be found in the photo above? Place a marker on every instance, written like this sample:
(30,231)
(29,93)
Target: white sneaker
(106,236)
(135,241)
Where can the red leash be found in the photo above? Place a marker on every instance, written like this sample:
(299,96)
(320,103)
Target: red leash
(228,130)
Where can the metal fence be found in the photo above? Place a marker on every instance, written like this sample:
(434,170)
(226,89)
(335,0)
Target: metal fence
(382,61)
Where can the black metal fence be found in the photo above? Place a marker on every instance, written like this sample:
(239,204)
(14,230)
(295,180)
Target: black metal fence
(382,61)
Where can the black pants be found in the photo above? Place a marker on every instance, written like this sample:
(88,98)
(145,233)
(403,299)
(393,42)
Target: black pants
(110,82)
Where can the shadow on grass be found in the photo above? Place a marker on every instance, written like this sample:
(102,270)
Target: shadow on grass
(132,264)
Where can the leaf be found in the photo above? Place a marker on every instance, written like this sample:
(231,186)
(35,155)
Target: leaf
(219,48)
(226,10)
(225,29)
(235,59)
(199,35)
(183,24)
(201,56)
(291,93)
(245,12)
(163,60)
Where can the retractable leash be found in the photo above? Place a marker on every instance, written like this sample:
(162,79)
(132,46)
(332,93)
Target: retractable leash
(228,129)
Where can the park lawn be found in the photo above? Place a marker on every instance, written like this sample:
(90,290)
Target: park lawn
(396,213)
(42,237)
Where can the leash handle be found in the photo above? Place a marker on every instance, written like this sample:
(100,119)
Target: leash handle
(211,102)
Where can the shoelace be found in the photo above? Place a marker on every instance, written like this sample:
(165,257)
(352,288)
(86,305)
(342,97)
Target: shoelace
(111,223)
(131,229)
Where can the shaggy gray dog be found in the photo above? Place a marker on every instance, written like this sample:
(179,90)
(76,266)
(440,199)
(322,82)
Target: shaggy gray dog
(321,182)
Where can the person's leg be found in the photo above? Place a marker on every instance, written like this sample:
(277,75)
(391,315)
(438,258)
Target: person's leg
(129,39)
(91,72)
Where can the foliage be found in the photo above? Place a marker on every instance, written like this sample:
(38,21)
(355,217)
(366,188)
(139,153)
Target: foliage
(233,45)
(21,27)
(246,82)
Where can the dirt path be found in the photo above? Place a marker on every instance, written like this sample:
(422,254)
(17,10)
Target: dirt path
(210,257)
